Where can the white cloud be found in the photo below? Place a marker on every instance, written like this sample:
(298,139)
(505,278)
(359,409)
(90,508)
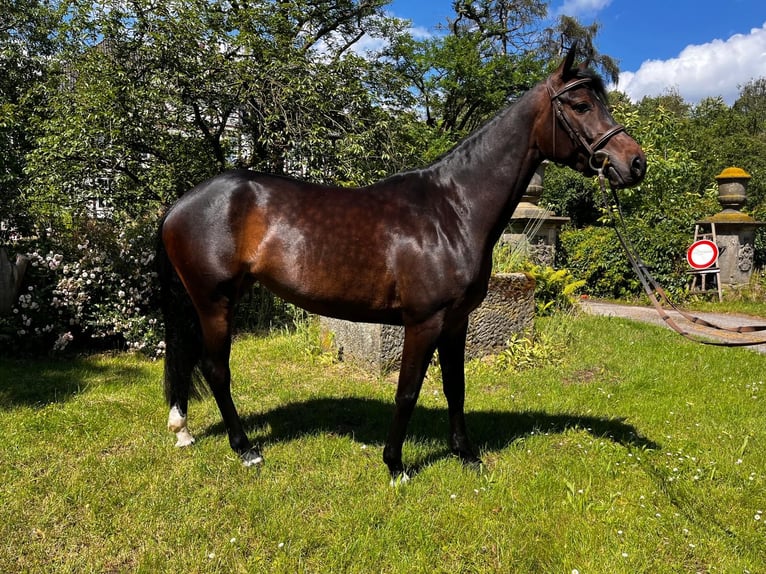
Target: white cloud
(717,68)
(581,7)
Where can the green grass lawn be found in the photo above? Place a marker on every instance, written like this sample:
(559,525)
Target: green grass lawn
(636,451)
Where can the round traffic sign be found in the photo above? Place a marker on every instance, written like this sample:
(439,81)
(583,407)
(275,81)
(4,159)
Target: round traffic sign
(702,254)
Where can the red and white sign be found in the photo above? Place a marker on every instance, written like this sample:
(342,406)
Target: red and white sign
(702,254)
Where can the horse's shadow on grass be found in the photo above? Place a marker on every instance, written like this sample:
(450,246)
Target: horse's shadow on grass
(44,381)
(367,421)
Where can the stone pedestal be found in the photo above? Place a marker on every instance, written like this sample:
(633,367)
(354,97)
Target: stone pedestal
(736,246)
(11,276)
(508,309)
(735,230)
(533,232)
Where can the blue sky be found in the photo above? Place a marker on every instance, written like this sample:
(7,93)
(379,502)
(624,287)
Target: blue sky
(699,48)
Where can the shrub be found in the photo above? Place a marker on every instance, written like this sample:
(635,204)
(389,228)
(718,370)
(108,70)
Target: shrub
(93,287)
(555,289)
(594,255)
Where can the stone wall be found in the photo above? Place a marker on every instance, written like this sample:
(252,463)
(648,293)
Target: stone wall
(508,309)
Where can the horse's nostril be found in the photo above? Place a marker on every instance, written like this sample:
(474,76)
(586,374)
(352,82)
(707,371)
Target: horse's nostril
(638,166)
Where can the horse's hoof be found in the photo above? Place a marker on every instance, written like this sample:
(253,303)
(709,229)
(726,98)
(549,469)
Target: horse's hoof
(467,457)
(472,461)
(184,438)
(252,458)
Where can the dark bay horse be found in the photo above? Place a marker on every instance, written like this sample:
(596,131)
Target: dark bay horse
(414,249)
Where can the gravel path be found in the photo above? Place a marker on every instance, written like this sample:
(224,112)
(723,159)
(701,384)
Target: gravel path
(650,315)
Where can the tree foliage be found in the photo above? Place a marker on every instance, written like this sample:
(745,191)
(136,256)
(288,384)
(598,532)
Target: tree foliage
(25,51)
(116,108)
(569,30)
(461,78)
(153,97)
(129,104)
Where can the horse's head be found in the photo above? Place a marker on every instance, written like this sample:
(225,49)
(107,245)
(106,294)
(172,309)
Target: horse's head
(580,131)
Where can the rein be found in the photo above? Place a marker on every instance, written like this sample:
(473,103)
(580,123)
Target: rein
(654,290)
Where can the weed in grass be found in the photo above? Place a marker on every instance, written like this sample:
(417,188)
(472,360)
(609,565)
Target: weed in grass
(545,347)
(524,353)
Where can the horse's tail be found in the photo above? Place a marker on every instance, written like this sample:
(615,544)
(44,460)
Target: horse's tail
(183,333)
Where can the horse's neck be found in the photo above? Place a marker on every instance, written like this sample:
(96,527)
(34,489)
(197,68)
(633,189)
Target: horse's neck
(490,171)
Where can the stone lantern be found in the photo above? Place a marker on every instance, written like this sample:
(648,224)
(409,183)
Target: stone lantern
(735,231)
(532,230)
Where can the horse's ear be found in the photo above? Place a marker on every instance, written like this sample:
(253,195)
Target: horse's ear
(567,68)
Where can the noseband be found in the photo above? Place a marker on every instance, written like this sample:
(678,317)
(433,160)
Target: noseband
(596,159)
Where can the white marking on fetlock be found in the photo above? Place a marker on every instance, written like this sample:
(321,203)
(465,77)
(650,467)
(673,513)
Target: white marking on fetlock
(403,478)
(257,461)
(176,421)
(177,424)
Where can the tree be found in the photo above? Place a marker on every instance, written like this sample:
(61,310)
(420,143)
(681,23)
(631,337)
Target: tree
(568,31)
(660,212)
(25,51)
(508,26)
(724,136)
(485,61)
(751,106)
(154,97)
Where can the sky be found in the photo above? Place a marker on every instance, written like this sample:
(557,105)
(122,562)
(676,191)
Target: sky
(698,48)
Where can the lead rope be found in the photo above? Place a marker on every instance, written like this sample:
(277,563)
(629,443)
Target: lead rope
(654,290)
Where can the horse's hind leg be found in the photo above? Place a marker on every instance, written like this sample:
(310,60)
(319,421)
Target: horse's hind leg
(179,404)
(216,328)
(452,360)
(181,354)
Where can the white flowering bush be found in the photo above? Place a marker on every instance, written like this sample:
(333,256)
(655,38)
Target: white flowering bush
(93,289)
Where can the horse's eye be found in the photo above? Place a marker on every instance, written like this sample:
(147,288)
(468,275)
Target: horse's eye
(581,107)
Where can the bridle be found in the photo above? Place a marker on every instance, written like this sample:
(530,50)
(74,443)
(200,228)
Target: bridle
(597,158)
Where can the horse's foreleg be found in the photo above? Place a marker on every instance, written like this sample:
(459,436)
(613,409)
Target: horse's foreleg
(452,360)
(215,368)
(419,346)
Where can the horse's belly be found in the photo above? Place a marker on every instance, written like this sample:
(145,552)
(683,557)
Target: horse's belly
(331,292)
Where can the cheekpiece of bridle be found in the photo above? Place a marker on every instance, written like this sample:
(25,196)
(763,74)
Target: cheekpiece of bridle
(597,158)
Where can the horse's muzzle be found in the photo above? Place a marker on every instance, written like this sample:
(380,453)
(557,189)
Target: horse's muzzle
(626,174)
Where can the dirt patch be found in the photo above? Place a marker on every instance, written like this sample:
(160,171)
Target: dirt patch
(589,376)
